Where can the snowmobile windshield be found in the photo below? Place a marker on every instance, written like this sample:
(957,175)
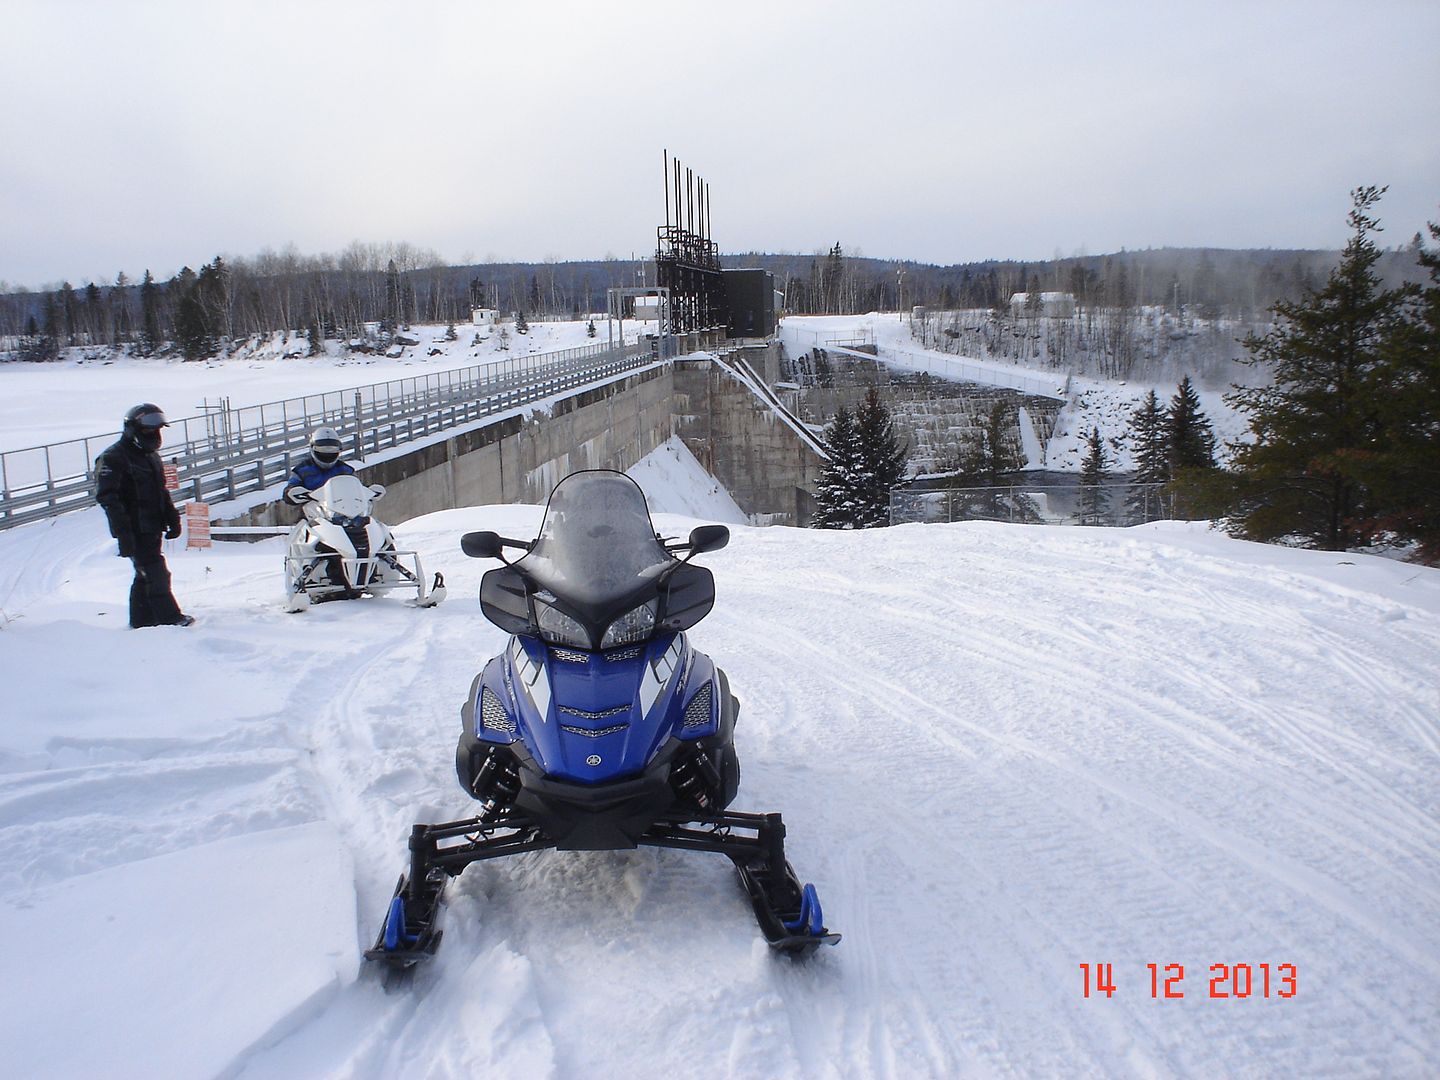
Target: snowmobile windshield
(597,544)
(344,498)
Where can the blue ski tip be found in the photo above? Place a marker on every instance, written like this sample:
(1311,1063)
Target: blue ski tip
(810,919)
(395,926)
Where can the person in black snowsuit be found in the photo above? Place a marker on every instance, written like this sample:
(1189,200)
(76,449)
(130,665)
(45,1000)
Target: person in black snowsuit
(130,486)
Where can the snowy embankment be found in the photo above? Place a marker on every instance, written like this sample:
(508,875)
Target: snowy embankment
(1002,752)
(1091,403)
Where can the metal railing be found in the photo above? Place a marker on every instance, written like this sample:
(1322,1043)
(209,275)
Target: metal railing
(226,453)
(1036,504)
(805,338)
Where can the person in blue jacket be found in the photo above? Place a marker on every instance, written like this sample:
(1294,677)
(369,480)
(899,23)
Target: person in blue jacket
(324,464)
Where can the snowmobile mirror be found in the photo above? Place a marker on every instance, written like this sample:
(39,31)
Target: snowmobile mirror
(708,538)
(482,545)
(378,490)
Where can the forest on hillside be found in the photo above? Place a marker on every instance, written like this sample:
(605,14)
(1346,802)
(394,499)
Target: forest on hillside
(230,298)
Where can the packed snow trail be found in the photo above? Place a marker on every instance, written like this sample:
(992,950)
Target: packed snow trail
(1001,751)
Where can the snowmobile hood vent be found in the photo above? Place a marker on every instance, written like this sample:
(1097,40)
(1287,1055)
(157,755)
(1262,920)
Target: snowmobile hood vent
(618,710)
(593,733)
(493,715)
(698,712)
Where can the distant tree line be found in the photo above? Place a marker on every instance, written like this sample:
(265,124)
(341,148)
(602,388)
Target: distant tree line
(333,295)
(313,296)
(1209,282)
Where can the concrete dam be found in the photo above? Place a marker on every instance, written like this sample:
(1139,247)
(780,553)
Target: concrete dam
(721,409)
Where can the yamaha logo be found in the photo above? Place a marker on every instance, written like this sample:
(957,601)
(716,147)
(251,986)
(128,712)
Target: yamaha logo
(593,760)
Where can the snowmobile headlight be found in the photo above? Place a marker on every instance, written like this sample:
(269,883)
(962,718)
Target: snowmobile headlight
(637,624)
(557,628)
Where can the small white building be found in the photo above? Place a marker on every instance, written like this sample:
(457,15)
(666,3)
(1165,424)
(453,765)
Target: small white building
(483,316)
(1059,305)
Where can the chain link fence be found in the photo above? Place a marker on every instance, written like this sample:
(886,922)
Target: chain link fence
(227,452)
(1035,504)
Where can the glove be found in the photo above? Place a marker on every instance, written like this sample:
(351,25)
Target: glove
(173,532)
(127,545)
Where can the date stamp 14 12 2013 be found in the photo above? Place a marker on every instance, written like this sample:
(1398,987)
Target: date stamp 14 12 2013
(1229,981)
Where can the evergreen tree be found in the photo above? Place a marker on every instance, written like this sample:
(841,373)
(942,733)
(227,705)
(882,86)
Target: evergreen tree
(1318,421)
(521,325)
(34,346)
(1149,437)
(212,291)
(1150,442)
(1402,475)
(837,492)
(121,320)
(95,329)
(150,338)
(69,311)
(191,333)
(53,329)
(1190,440)
(394,298)
(1094,502)
(882,459)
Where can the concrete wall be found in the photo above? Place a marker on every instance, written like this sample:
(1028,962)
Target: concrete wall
(768,469)
(761,461)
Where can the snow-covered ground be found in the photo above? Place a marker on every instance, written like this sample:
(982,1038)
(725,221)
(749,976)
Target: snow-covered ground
(1003,752)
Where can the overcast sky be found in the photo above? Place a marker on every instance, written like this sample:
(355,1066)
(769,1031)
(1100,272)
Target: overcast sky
(152,134)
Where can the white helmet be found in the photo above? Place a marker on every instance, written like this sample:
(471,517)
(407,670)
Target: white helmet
(325,447)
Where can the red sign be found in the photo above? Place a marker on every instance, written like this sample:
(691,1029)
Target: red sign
(197,525)
(172,477)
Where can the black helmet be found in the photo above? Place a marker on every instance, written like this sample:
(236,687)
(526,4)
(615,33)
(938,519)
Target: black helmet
(325,447)
(143,424)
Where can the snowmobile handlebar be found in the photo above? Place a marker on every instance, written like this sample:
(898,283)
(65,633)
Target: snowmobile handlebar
(491,545)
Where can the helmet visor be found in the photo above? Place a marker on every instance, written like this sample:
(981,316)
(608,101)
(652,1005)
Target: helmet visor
(151,420)
(325,452)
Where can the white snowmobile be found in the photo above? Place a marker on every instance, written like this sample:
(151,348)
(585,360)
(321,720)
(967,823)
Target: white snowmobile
(340,552)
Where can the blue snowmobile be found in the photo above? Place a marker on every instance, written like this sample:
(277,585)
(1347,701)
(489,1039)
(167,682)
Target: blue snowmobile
(599,727)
